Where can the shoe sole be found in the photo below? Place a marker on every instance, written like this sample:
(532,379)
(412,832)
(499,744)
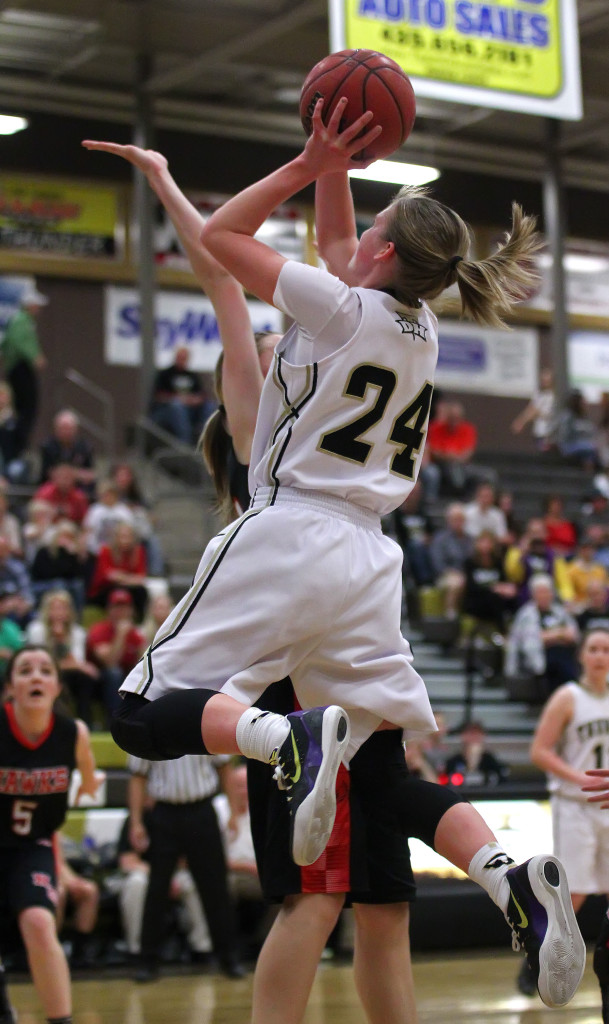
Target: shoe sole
(562,954)
(314,819)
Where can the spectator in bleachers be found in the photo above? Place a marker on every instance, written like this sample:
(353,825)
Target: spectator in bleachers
(130,494)
(505,504)
(594,511)
(115,645)
(15,582)
(104,514)
(121,563)
(68,500)
(488,595)
(540,412)
(561,535)
(11,636)
(449,549)
(473,764)
(37,528)
(576,433)
(77,897)
(134,865)
(595,612)
(61,562)
(542,640)
(451,442)
(158,609)
(12,464)
(482,514)
(412,529)
(582,570)
(67,446)
(10,527)
(179,400)
(599,535)
(23,358)
(57,627)
(531,556)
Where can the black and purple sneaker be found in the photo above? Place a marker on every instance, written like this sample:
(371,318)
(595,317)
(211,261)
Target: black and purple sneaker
(540,914)
(307,764)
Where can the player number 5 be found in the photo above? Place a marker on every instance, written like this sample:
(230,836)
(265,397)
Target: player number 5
(22,816)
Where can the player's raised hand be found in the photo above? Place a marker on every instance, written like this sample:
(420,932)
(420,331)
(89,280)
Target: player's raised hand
(331,149)
(147,160)
(599,785)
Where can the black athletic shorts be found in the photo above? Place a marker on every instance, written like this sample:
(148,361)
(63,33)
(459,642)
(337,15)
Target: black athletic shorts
(367,856)
(28,877)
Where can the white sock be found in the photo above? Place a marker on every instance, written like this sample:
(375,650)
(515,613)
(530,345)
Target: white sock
(488,868)
(259,733)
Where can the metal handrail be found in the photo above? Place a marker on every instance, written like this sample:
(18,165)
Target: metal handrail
(106,434)
(171,448)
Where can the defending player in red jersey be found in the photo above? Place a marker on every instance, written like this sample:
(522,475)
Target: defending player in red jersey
(39,749)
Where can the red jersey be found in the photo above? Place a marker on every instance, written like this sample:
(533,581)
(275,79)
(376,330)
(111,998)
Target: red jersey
(104,632)
(443,439)
(71,504)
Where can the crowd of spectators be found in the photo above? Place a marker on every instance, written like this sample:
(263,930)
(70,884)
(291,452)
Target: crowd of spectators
(81,567)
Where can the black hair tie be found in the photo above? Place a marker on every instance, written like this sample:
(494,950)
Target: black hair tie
(454,261)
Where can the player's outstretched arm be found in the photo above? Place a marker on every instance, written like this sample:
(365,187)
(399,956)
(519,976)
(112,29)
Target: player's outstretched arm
(229,233)
(91,780)
(241,377)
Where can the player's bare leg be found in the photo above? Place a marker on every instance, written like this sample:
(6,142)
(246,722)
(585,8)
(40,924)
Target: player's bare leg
(291,953)
(381,963)
(48,965)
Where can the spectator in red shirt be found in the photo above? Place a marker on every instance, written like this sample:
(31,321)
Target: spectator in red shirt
(452,441)
(561,535)
(62,493)
(121,563)
(115,645)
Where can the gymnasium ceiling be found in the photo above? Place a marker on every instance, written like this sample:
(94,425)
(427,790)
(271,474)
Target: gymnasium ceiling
(231,69)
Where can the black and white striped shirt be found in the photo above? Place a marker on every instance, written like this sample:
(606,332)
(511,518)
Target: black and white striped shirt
(188,778)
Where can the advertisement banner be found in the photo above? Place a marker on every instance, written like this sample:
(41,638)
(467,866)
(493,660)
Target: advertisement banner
(58,219)
(511,54)
(487,361)
(588,363)
(181,319)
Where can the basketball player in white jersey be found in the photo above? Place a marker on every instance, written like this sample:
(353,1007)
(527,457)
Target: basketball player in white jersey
(572,737)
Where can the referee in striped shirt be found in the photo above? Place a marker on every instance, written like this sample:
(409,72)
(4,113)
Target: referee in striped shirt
(183,823)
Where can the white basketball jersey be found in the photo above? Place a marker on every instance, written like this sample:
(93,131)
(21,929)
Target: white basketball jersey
(352,423)
(585,741)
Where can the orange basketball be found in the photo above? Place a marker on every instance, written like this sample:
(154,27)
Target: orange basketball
(370,81)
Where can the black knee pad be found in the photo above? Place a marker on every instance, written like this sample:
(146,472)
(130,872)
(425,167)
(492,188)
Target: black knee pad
(162,729)
(600,960)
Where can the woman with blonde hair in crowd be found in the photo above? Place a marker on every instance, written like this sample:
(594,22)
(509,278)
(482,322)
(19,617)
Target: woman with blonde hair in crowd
(58,629)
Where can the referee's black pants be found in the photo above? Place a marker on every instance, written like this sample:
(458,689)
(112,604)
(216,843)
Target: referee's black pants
(189,830)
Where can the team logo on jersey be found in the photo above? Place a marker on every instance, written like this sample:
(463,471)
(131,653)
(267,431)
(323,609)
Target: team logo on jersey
(43,880)
(410,325)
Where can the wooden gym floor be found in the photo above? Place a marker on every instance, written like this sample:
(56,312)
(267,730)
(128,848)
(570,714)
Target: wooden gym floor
(455,989)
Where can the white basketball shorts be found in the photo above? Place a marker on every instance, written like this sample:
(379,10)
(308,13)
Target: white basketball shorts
(308,587)
(581,841)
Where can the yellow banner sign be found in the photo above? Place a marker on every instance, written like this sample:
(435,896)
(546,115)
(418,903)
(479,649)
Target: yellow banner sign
(502,46)
(57,219)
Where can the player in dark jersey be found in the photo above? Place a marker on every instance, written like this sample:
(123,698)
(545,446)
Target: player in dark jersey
(374,861)
(39,749)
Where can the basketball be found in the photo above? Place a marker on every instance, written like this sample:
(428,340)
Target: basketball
(370,81)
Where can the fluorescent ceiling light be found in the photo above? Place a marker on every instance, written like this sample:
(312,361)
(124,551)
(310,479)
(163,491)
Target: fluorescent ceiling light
(10,124)
(397,173)
(577,263)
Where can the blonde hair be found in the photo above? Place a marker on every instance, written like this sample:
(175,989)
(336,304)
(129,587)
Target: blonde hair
(45,604)
(433,244)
